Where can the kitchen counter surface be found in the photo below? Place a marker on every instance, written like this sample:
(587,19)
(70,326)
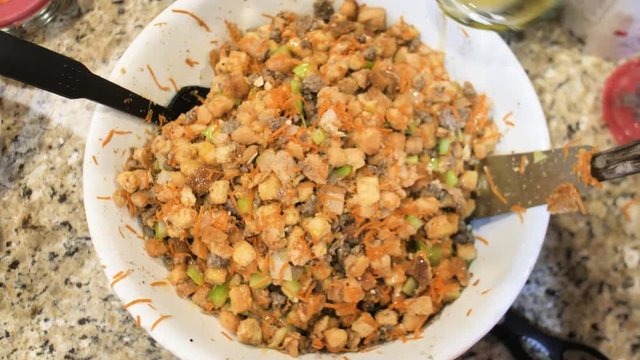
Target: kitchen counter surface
(55,301)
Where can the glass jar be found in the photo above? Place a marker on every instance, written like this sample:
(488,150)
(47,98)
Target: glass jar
(25,15)
(497,14)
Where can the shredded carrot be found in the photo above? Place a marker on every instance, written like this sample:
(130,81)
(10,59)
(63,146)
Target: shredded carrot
(416,332)
(485,292)
(173,84)
(565,148)
(95,161)
(110,135)
(505,119)
(625,208)
(159,283)
(138,321)
(582,168)
(130,228)
(464,32)
(519,210)
(155,79)
(482,239)
(345,358)
(162,317)
(492,185)
(469,311)
(475,283)
(523,164)
(120,231)
(160,24)
(195,17)
(369,349)
(226,335)
(122,276)
(565,198)
(136,301)
(151,306)
(191,62)
(103,197)
(118,274)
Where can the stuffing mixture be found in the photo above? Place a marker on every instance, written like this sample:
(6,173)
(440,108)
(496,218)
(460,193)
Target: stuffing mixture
(316,200)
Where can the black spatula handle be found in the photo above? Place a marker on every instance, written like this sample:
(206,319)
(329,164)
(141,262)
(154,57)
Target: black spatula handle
(48,70)
(617,162)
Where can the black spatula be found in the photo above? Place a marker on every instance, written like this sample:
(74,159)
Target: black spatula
(48,70)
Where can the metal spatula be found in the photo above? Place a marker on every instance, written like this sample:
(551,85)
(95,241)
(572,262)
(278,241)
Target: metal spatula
(546,170)
(48,70)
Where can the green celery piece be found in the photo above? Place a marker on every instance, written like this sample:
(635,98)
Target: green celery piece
(410,286)
(244,206)
(317,136)
(219,295)
(259,280)
(301,70)
(195,275)
(450,178)
(413,220)
(443,146)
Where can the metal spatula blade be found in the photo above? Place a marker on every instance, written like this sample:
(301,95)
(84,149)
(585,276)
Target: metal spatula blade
(543,172)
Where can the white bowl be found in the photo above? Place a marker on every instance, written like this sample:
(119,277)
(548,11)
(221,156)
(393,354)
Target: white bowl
(480,57)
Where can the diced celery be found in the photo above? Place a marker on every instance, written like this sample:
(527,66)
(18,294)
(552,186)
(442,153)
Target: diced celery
(259,280)
(450,178)
(237,102)
(209,132)
(435,164)
(412,128)
(412,160)
(280,50)
(422,247)
(317,136)
(451,293)
(435,255)
(291,288)
(195,275)
(413,220)
(410,286)
(244,205)
(301,70)
(218,295)
(160,228)
(368,64)
(443,146)
(295,86)
(341,172)
(538,156)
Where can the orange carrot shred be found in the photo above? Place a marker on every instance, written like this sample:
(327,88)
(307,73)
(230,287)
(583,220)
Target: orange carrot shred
(226,335)
(191,62)
(492,185)
(162,317)
(120,231)
(151,306)
(138,321)
(103,197)
(110,136)
(505,119)
(116,280)
(118,274)
(582,168)
(482,239)
(160,24)
(519,210)
(155,79)
(464,32)
(136,301)
(485,292)
(625,208)
(194,16)
(469,311)
(130,228)
(475,283)
(173,84)
(159,283)
(95,161)
(416,332)
(565,148)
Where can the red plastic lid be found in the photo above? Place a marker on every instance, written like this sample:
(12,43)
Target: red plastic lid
(14,12)
(621,102)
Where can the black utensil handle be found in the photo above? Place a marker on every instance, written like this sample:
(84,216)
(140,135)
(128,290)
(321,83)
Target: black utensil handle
(45,69)
(556,347)
(616,162)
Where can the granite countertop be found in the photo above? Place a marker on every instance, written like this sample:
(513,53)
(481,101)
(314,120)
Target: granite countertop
(55,301)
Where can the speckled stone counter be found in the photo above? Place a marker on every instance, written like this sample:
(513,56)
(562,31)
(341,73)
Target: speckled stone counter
(55,301)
